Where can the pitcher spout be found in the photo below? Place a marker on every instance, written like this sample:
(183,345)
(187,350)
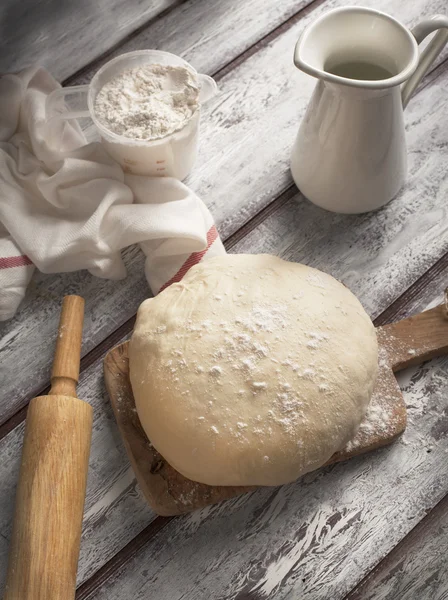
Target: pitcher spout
(357,47)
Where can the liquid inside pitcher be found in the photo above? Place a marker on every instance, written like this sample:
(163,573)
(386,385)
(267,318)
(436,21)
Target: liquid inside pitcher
(359,69)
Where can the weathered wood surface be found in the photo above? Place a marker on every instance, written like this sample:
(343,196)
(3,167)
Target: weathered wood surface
(63,35)
(209,35)
(106,306)
(281,543)
(417,568)
(115,509)
(260,105)
(319,537)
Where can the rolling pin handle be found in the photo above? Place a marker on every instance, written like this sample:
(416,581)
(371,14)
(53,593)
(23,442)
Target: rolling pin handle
(65,372)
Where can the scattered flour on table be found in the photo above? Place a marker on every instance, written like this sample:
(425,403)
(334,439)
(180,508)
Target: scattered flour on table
(148,102)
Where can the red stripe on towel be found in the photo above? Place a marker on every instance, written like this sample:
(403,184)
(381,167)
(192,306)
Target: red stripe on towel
(14,261)
(193,259)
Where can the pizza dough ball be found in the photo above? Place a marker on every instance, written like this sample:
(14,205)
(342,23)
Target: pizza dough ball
(252,370)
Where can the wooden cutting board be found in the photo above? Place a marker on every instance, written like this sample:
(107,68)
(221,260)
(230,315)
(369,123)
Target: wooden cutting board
(402,344)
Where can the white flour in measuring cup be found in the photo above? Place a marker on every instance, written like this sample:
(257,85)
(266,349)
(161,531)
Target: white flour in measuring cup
(152,103)
(146,107)
(149,102)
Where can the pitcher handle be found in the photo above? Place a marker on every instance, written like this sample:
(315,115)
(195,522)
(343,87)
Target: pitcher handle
(55,105)
(429,54)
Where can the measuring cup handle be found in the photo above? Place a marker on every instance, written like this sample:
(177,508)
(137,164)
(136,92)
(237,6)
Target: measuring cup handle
(430,53)
(55,106)
(208,87)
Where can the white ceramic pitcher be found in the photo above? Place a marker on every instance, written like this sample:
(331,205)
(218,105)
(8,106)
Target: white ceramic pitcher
(350,152)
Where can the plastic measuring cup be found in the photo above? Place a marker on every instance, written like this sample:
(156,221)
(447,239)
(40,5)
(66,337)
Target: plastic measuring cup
(170,156)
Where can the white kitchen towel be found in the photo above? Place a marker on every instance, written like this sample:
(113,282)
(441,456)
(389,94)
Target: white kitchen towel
(66,205)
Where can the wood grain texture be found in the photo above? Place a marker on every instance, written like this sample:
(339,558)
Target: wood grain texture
(423,286)
(109,569)
(260,105)
(416,567)
(208,35)
(292,541)
(113,504)
(64,36)
(43,556)
(115,510)
(49,505)
(417,339)
(67,356)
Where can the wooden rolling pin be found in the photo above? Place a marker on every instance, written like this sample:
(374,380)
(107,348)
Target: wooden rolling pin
(50,496)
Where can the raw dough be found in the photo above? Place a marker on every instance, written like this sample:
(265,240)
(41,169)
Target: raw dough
(252,370)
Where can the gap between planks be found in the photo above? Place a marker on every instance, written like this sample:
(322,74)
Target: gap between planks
(268,38)
(392,312)
(277,202)
(222,71)
(403,549)
(235,237)
(71,80)
(102,575)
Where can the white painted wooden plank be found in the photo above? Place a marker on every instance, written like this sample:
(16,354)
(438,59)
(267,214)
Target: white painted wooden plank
(209,35)
(64,36)
(258,109)
(387,249)
(249,128)
(115,510)
(109,304)
(418,570)
(313,539)
(24,373)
